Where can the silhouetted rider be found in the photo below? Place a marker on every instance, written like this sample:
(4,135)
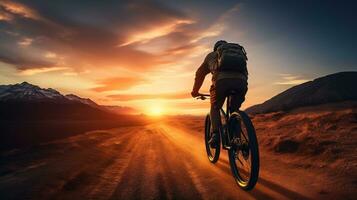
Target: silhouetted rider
(227,63)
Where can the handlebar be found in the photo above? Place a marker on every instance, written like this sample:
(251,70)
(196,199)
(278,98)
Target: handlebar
(202,96)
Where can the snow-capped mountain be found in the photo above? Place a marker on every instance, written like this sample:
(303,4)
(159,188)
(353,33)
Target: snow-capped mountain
(87,101)
(27,101)
(29,93)
(26,92)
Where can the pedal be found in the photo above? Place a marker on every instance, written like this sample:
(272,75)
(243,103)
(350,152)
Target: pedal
(226,147)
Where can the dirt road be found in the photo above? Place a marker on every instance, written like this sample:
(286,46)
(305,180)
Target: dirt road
(157,161)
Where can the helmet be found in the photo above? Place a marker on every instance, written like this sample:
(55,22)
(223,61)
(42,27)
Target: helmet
(218,43)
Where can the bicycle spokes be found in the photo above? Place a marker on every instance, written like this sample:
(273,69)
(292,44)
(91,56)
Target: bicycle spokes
(244,155)
(243,162)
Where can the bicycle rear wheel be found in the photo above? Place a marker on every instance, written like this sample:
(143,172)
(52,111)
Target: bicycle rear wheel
(212,153)
(244,155)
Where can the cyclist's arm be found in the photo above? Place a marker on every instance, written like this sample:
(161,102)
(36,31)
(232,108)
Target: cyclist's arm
(201,73)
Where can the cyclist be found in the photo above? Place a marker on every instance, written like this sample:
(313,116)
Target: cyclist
(227,64)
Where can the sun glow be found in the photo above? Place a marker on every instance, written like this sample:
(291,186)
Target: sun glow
(155,110)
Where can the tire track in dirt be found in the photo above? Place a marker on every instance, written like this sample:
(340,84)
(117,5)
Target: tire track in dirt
(212,182)
(86,176)
(157,161)
(221,169)
(130,184)
(107,180)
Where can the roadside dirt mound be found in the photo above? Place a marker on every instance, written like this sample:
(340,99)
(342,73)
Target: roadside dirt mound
(313,145)
(286,146)
(317,136)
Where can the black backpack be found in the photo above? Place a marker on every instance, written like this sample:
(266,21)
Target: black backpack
(232,57)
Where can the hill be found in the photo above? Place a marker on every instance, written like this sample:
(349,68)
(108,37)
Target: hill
(332,88)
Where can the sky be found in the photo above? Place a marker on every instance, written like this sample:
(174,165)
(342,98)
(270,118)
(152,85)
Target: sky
(144,54)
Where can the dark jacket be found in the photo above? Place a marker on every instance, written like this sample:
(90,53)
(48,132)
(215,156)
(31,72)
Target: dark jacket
(206,68)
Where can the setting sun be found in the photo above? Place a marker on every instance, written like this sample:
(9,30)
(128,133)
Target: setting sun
(155,110)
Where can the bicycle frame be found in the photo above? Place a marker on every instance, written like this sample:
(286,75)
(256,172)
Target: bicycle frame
(225,134)
(235,142)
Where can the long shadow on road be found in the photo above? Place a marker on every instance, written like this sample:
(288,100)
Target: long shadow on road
(290,194)
(265,189)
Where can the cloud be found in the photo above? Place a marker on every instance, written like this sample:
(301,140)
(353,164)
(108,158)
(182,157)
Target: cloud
(80,38)
(89,37)
(129,46)
(5,16)
(124,37)
(24,61)
(289,79)
(167,96)
(19,9)
(187,40)
(154,32)
(50,55)
(118,83)
(33,71)
(25,42)
(218,26)
(70,74)
(192,104)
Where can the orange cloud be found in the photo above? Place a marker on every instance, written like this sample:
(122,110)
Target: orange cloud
(4,16)
(130,97)
(154,32)
(118,83)
(33,71)
(193,104)
(19,9)
(86,45)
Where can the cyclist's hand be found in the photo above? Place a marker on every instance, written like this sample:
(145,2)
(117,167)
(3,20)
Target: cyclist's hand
(195,94)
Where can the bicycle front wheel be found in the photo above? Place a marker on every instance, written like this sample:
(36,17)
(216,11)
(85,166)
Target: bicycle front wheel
(212,153)
(244,154)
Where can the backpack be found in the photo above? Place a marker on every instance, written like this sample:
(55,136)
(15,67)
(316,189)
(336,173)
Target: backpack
(232,57)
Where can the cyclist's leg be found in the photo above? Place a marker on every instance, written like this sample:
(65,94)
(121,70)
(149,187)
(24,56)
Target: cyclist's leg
(217,100)
(240,86)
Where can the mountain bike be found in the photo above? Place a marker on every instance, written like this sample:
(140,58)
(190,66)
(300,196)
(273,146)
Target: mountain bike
(238,136)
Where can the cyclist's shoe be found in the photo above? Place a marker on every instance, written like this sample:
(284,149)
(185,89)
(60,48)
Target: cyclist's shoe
(214,140)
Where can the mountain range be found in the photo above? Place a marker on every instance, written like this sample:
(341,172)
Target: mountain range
(332,88)
(30,102)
